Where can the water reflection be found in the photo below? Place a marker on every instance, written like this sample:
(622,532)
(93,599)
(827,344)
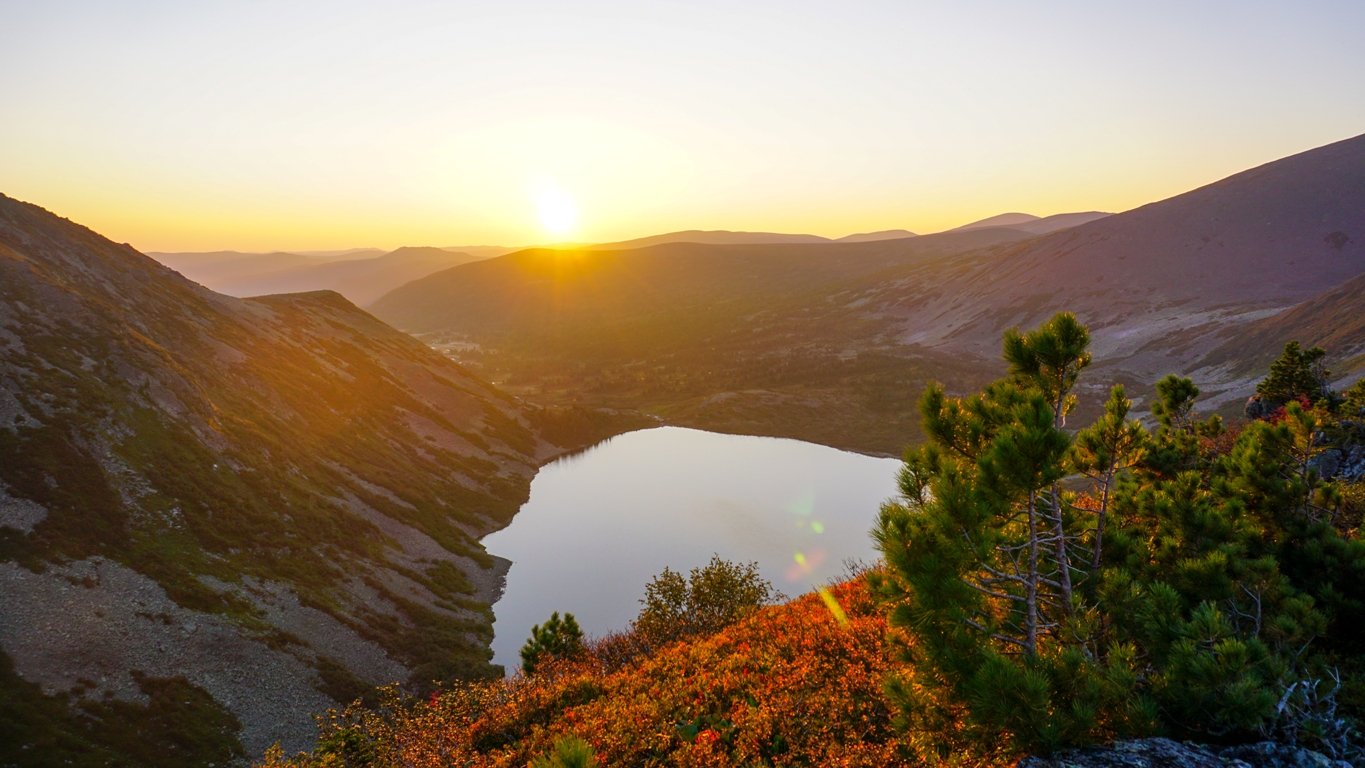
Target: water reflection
(601,523)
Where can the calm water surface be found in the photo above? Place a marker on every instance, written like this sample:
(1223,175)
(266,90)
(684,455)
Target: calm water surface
(600,524)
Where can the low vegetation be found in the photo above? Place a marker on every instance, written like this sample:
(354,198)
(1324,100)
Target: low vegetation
(1043,587)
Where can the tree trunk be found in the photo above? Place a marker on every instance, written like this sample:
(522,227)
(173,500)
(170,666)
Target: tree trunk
(1031,585)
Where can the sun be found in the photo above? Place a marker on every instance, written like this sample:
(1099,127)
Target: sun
(557,211)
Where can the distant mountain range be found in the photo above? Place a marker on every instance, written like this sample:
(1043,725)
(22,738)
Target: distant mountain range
(364,274)
(831,341)
(361,276)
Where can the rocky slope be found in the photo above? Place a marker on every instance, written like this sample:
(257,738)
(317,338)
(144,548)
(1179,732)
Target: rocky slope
(219,516)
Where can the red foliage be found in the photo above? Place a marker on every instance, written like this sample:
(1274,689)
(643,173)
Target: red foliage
(790,685)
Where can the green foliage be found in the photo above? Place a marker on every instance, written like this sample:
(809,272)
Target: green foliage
(1050,358)
(710,599)
(1220,578)
(1297,373)
(1175,402)
(180,725)
(569,752)
(558,638)
(1354,399)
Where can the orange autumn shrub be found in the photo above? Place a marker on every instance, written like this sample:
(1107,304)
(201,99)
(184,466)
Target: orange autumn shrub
(793,684)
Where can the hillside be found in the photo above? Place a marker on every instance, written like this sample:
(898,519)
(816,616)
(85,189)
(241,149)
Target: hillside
(759,339)
(1334,321)
(220,516)
(832,341)
(1036,225)
(725,237)
(360,276)
(794,684)
(1257,241)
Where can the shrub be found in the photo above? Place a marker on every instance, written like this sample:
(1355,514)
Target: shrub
(557,639)
(1195,577)
(709,599)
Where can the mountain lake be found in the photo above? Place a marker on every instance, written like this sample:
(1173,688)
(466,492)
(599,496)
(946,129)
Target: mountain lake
(601,523)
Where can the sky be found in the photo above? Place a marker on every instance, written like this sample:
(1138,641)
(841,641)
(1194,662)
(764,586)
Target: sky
(324,125)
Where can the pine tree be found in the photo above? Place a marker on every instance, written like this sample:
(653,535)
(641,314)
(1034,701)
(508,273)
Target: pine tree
(1211,575)
(1297,373)
(1102,451)
(978,568)
(558,638)
(1049,359)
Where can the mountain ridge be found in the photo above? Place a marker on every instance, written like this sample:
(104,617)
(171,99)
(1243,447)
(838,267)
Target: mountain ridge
(257,507)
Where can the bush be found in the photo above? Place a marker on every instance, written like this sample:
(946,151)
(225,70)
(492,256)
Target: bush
(557,639)
(1180,591)
(711,598)
(569,752)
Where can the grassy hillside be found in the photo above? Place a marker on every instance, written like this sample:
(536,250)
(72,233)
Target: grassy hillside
(765,339)
(249,499)
(1265,238)
(833,342)
(1334,321)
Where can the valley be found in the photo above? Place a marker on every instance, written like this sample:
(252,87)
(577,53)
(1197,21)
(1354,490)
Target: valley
(833,342)
(220,516)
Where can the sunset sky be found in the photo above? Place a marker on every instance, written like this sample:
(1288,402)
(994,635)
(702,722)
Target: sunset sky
(327,125)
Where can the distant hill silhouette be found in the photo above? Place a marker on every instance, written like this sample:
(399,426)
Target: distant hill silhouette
(361,276)
(1034,224)
(725,237)
(868,237)
(543,290)
(710,237)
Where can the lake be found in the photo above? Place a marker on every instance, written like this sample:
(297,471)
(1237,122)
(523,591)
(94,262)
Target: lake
(600,524)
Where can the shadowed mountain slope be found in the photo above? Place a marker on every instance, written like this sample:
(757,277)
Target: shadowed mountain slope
(557,292)
(243,511)
(1190,265)
(757,339)
(1334,321)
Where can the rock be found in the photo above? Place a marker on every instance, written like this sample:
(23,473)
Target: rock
(1352,463)
(1138,753)
(1326,463)
(1258,408)
(1165,753)
(1268,754)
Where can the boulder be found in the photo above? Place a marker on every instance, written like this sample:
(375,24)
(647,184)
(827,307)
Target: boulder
(1165,753)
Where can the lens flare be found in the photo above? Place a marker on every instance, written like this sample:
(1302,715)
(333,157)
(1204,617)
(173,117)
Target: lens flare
(804,563)
(832,603)
(803,504)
